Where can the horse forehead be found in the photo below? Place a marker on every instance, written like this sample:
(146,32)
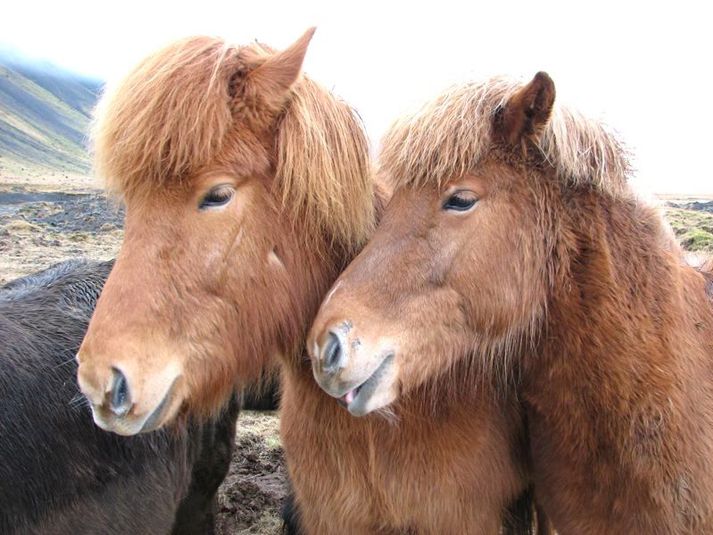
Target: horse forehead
(243,155)
(411,196)
(408,210)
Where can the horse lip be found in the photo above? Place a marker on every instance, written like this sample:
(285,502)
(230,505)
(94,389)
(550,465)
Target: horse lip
(364,391)
(155,419)
(122,425)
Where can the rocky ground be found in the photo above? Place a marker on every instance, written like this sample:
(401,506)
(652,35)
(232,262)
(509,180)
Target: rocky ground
(38,229)
(45,222)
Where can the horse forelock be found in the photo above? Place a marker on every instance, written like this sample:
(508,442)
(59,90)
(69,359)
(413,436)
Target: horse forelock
(169,117)
(174,116)
(452,134)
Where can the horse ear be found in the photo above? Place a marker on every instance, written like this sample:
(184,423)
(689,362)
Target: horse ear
(274,78)
(527,111)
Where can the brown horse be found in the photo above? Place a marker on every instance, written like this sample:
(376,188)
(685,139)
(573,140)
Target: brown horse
(248,189)
(513,250)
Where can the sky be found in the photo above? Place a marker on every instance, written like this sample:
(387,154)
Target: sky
(644,68)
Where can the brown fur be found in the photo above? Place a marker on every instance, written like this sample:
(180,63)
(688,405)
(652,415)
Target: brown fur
(202,112)
(202,104)
(560,278)
(418,470)
(223,291)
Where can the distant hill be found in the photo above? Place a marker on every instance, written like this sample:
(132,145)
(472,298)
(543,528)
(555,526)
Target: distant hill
(44,116)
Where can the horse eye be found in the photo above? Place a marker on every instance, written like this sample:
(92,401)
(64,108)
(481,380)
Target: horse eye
(461,201)
(217,196)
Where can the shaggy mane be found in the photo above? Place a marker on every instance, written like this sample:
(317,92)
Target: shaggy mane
(448,137)
(173,117)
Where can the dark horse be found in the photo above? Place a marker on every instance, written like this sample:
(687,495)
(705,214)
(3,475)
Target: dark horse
(59,472)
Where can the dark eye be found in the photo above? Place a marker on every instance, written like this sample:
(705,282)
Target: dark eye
(460,201)
(217,196)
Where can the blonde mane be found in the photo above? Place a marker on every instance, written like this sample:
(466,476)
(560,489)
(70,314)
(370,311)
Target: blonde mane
(174,116)
(450,135)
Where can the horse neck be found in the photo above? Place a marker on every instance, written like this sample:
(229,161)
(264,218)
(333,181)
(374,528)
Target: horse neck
(622,303)
(617,390)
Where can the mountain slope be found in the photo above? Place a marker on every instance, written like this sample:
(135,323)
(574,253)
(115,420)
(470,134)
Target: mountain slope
(44,117)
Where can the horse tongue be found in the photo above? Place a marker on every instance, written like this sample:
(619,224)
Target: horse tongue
(348,397)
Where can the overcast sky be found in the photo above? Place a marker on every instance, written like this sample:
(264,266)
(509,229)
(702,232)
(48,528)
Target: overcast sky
(644,69)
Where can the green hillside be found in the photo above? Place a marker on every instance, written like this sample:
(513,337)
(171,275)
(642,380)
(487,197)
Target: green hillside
(44,117)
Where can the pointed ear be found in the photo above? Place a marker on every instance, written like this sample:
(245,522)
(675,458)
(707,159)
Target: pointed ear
(273,78)
(527,111)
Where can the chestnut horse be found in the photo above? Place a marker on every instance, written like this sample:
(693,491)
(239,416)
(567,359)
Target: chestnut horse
(248,189)
(514,251)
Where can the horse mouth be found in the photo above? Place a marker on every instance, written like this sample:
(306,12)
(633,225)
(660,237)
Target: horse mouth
(156,418)
(128,425)
(356,400)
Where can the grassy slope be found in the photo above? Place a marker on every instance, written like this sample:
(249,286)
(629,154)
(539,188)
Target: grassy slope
(44,118)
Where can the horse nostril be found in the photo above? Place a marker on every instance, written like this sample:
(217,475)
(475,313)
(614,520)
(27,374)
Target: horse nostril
(119,395)
(331,353)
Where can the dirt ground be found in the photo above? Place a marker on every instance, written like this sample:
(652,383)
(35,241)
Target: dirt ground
(60,217)
(251,495)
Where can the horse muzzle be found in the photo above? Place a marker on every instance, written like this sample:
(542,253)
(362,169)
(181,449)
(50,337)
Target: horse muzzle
(127,406)
(360,376)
